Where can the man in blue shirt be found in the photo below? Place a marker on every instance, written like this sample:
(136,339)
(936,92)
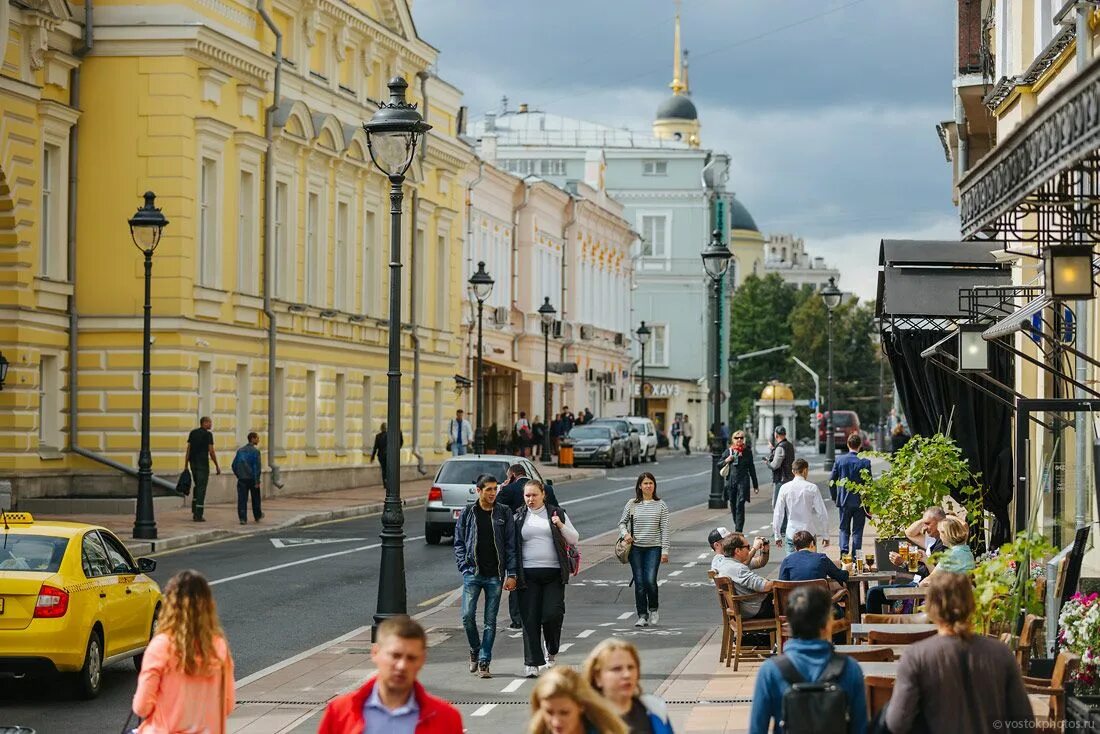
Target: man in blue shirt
(806,564)
(844,486)
(809,652)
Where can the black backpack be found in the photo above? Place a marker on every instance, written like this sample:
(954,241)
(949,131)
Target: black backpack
(820,707)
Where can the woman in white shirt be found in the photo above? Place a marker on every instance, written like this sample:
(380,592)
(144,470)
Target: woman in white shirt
(545,533)
(644,524)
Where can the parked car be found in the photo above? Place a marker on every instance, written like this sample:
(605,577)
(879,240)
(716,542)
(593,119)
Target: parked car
(454,488)
(599,444)
(845,423)
(647,432)
(633,437)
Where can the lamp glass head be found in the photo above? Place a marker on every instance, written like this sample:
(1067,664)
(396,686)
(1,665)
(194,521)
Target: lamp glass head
(147,224)
(831,295)
(481,283)
(1068,270)
(716,256)
(643,334)
(973,349)
(547,312)
(393,131)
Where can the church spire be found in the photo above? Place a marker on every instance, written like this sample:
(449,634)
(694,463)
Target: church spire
(678,84)
(687,75)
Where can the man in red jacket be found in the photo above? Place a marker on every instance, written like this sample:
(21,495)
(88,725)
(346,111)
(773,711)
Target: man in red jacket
(393,702)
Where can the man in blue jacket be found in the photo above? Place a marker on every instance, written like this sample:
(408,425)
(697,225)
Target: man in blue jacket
(844,486)
(485,553)
(246,467)
(810,656)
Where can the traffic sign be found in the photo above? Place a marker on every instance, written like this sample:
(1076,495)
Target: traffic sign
(812,404)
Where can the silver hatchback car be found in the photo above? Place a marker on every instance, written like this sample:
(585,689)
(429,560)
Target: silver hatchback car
(454,488)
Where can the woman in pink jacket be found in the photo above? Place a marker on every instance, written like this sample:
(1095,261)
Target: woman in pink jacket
(186,680)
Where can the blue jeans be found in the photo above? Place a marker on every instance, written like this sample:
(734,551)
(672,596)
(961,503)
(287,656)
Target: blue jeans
(472,586)
(644,562)
(458,449)
(852,520)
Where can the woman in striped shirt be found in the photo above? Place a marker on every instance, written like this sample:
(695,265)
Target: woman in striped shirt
(645,525)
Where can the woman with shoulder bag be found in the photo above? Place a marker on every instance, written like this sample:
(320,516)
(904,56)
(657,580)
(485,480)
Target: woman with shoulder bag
(738,471)
(644,525)
(186,679)
(545,534)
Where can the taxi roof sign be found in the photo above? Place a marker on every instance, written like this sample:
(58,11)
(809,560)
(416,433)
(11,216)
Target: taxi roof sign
(17,518)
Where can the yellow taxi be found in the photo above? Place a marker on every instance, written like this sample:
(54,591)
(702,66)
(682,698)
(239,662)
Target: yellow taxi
(72,600)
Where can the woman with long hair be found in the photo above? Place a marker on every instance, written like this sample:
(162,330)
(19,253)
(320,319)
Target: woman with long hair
(644,524)
(614,670)
(935,688)
(958,558)
(545,533)
(186,679)
(563,703)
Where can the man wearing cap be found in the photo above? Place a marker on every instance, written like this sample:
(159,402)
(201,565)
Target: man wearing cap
(780,462)
(758,557)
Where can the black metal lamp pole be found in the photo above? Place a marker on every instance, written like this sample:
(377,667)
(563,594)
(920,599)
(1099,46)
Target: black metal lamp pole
(392,135)
(482,286)
(146,227)
(643,334)
(831,295)
(716,259)
(547,312)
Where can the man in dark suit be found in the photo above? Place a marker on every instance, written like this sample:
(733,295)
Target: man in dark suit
(511,492)
(844,485)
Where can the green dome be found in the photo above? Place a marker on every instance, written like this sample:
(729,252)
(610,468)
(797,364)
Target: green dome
(677,107)
(740,217)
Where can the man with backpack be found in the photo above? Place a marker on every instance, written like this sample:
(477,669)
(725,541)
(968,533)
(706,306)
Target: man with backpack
(809,688)
(246,468)
(524,436)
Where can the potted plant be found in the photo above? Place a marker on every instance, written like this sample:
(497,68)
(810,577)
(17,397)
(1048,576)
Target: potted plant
(1007,583)
(1079,633)
(921,474)
(492,439)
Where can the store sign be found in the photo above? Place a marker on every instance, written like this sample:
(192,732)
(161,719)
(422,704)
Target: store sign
(659,389)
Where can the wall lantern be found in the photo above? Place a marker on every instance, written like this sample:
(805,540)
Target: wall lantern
(1068,270)
(973,349)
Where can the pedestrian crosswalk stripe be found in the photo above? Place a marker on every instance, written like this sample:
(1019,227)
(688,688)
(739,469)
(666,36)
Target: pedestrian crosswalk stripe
(606,624)
(586,633)
(484,709)
(564,646)
(513,686)
(675,573)
(626,615)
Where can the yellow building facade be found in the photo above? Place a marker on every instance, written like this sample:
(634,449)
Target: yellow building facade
(173,100)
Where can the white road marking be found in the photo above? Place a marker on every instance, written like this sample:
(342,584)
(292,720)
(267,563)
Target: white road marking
(703,555)
(516,636)
(564,646)
(607,624)
(484,710)
(662,582)
(624,488)
(298,542)
(513,686)
(690,565)
(586,633)
(626,615)
(311,559)
(675,573)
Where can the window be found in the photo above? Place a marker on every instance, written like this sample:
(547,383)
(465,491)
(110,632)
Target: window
(208,223)
(654,168)
(442,280)
(93,557)
(369,255)
(343,270)
(117,556)
(247,251)
(49,402)
(341,412)
(32,553)
(206,389)
(278,431)
(314,257)
(658,346)
(283,275)
(244,403)
(654,228)
(534,166)
(368,415)
(51,260)
(311,411)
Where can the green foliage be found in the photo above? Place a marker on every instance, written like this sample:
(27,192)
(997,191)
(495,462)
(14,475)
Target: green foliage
(1005,583)
(921,474)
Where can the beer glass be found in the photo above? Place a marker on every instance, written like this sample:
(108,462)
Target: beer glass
(914,559)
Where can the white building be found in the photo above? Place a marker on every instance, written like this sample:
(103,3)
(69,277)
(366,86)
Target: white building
(786,256)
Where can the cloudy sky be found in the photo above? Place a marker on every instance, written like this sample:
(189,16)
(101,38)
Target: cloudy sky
(828,107)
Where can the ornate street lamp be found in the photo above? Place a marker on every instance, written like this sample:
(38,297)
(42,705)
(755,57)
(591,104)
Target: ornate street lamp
(146,227)
(643,334)
(547,312)
(716,259)
(392,134)
(481,285)
(973,349)
(3,370)
(831,295)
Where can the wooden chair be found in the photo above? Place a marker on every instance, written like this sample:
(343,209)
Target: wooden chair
(1054,688)
(1033,625)
(782,591)
(737,625)
(872,654)
(876,637)
(895,618)
(724,607)
(879,690)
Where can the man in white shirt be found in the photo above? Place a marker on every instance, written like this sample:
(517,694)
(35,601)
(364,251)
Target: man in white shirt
(459,434)
(800,503)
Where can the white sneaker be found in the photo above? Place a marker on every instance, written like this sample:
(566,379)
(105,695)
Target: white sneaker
(545,668)
(550,660)
(654,616)
(643,621)
(530,671)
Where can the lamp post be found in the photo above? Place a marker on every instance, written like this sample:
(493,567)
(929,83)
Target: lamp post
(392,134)
(482,287)
(716,259)
(146,227)
(831,295)
(643,333)
(547,312)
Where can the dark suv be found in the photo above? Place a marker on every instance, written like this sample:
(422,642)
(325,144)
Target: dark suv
(633,439)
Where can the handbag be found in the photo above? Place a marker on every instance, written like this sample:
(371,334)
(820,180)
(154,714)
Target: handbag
(183,484)
(126,728)
(622,545)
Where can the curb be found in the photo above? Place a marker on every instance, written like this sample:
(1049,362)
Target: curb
(142,547)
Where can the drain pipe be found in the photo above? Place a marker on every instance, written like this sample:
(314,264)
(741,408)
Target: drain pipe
(269,239)
(1082,429)
(74,316)
(414,331)
(515,274)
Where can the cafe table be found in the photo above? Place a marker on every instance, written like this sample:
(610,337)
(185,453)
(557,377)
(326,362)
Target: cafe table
(860,630)
(846,649)
(911,592)
(881,670)
(855,582)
